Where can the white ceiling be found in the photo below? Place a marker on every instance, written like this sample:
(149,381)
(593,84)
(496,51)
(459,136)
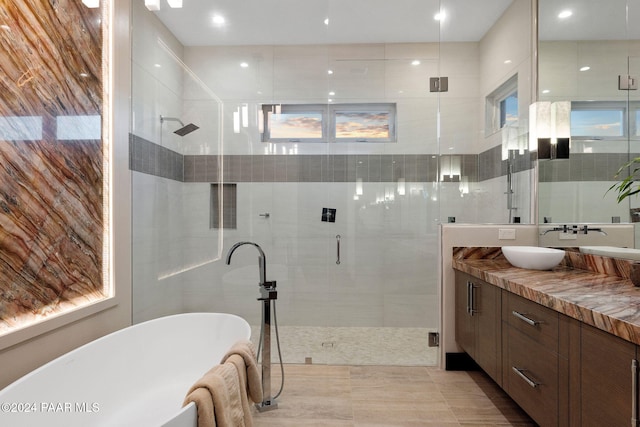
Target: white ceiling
(591,20)
(260,22)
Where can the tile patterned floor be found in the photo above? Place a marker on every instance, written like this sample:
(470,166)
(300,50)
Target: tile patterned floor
(353,345)
(359,396)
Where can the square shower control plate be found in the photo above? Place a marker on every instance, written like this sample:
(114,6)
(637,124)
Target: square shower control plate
(328,215)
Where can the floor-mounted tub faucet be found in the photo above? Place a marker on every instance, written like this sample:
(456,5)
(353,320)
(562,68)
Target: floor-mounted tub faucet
(268,293)
(262,259)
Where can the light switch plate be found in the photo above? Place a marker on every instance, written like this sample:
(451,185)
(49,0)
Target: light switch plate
(506,234)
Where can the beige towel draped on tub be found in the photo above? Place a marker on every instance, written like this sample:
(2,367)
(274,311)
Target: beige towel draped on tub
(222,394)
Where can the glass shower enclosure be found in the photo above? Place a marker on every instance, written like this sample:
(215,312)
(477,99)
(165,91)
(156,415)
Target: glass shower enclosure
(324,149)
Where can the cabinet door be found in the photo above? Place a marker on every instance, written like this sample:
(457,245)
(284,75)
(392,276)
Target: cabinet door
(487,299)
(465,327)
(478,325)
(606,379)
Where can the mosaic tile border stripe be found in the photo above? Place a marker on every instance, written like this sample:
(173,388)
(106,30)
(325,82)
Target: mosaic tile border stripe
(150,158)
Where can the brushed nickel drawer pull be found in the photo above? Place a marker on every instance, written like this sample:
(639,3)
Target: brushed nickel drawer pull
(471,299)
(522,375)
(525,318)
(634,392)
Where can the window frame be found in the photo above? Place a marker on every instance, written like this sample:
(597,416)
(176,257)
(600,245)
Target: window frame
(268,109)
(494,105)
(329,122)
(388,108)
(627,120)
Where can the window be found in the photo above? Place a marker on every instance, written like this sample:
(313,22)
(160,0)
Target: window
(329,123)
(294,123)
(598,120)
(501,107)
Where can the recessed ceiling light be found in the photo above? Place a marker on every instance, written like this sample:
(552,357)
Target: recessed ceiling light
(546,91)
(157,65)
(565,14)
(332,93)
(507,61)
(326,21)
(415,62)
(218,19)
(244,64)
(440,16)
(585,68)
(329,71)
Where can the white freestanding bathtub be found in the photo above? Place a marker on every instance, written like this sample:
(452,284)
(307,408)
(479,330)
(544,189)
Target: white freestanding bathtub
(137,376)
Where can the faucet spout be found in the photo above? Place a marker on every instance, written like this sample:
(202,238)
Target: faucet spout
(262,259)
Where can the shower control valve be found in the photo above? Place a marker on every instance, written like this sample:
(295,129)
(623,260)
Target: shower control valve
(268,291)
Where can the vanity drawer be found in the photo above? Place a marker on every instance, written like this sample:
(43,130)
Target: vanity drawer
(534,320)
(531,377)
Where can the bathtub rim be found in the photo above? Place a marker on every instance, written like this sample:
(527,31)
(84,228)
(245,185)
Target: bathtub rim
(70,353)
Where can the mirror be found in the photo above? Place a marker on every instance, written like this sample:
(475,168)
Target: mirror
(589,51)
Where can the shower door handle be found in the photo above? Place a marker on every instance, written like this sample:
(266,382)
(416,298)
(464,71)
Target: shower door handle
(338,248)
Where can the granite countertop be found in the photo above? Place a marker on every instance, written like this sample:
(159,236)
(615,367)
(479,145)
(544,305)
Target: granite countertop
(598,293)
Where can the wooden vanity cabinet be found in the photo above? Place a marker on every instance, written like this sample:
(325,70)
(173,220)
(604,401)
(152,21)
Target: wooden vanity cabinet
(533,359)
(605,396)
(561,371)
(478,323)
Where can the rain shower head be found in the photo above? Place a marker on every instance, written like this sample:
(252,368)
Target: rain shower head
(184,130)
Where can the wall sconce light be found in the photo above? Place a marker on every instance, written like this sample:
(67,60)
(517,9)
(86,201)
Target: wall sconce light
(561,128)
(464,186)
(451,170)
(512,140)
(401,187)
(550,129)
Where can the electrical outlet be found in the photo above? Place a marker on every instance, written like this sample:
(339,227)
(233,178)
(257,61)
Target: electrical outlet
(506,234)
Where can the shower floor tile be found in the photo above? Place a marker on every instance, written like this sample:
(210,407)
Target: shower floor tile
(359,396)
(352,345)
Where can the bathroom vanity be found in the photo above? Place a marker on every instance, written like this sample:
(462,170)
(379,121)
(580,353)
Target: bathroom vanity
(562,343)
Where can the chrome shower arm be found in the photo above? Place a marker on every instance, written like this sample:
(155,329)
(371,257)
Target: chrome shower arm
(170,119)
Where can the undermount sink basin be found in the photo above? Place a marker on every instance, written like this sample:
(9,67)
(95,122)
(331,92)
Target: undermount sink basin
(533,257)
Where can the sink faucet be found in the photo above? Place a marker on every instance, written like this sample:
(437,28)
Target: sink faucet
(262,260)
(574,229)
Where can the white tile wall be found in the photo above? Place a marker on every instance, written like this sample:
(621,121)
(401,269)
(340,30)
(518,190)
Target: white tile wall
(388,272)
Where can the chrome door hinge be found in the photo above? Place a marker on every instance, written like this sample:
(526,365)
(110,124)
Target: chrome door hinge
(434,339)
(627,82)
(439,84)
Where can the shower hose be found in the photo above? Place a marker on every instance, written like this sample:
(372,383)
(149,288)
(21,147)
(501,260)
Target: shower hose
(275,323)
